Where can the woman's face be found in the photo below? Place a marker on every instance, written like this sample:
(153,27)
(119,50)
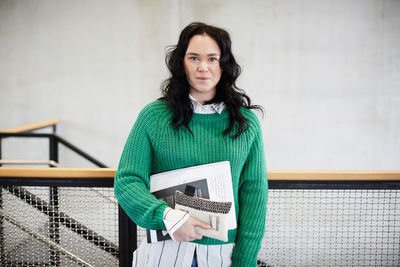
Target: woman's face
(202,67)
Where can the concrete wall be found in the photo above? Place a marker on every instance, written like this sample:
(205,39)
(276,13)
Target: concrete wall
(327,73)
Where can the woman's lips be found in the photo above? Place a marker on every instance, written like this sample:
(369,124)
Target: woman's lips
(202,78)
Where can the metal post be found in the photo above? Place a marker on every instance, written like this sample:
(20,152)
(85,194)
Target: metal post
(53,148)
(54,226)
(54,218)
(127,238)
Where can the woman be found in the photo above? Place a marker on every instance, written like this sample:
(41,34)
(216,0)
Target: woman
(201,118)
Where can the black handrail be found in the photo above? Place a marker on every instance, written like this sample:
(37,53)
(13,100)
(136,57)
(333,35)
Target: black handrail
(333,185)
(80,152)
(54,140)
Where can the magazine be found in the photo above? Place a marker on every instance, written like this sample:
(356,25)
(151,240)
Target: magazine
(211,181)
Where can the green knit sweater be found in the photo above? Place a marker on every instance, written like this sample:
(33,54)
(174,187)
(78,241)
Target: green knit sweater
(153,146)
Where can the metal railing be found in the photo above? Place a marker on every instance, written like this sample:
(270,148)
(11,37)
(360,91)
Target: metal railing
(55,216)
(309,222)
(47,197)
(339,219)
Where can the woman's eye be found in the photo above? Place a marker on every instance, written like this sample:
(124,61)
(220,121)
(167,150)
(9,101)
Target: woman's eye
(193,59)
(212,59)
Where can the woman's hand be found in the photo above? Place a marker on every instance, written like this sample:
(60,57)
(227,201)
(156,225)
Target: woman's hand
(187,231)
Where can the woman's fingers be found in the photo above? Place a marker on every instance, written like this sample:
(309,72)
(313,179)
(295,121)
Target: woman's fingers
(187,232)
(197,235)
(200,224)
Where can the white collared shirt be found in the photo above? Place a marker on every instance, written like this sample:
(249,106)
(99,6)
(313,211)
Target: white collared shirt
(206,109)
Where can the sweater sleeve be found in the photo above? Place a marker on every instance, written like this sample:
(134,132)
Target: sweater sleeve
(253,194)
(132,182)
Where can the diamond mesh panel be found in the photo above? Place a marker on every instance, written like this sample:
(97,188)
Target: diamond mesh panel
(79,226)
(64,226)
(332,228)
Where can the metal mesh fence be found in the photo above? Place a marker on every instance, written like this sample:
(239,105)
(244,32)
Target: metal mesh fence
(63,226)
(332,228)
(71,226)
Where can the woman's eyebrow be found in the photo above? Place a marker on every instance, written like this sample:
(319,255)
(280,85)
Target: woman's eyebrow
(195,54)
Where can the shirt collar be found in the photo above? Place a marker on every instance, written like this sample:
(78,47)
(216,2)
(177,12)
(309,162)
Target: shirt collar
(206,109)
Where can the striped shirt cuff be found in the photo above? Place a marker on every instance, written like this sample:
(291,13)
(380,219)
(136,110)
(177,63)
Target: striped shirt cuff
(173,219)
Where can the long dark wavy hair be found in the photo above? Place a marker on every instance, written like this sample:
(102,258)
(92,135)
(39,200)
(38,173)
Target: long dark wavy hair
(175,90)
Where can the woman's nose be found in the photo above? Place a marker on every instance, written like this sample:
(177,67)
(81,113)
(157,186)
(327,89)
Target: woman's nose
(202,66)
